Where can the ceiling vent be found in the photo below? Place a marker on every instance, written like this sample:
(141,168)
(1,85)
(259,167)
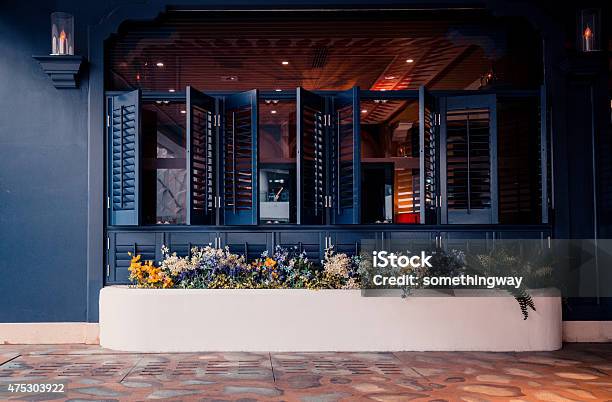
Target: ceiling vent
(319,58)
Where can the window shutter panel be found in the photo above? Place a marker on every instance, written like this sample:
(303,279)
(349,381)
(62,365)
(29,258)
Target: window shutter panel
(346,156)
(311,157)
(427,158)
(124,159)
(201,163)
(240,159)
(470,160)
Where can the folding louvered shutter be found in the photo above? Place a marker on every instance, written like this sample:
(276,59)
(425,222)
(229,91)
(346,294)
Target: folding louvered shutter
(240,159)
(470,160)
(311,156)
(124,148)
(201,147)
(346,157)
(428,160)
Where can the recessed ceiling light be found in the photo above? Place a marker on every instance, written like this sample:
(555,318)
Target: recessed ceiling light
(171,90)
(183,112)
(390,77)
(284,62)
(409,60)
(159,64)
(278,90)
(273,111)
(364,111)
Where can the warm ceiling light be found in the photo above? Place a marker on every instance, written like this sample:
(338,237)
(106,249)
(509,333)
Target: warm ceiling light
(390,77)
(364,111)
(273,111)
(278,90)
(171,90)
(183,111)
(284,62)
(159,64)
(409,60)
(382,89)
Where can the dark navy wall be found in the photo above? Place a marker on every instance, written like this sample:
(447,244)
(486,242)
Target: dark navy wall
(43,172)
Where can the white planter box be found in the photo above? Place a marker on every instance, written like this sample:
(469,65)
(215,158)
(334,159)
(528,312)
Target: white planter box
(190,320)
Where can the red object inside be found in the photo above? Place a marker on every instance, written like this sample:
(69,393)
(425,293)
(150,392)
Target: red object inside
(407,218)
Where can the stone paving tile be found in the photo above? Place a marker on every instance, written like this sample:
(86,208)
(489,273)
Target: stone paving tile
(576,373)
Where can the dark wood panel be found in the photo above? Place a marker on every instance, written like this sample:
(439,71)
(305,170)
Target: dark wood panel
(147,241)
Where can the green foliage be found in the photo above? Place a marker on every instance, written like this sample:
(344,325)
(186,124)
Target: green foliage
(533,264)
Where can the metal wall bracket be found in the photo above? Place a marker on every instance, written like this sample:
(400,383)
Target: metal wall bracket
(63,70)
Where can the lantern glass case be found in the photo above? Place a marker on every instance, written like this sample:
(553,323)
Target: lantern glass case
(62,34)
(589,30)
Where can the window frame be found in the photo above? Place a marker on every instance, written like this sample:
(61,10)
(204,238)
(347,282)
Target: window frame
(181,96)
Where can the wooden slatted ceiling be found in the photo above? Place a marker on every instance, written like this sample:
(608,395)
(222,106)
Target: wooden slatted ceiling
(239,51)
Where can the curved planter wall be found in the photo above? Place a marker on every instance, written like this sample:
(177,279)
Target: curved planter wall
(189,320)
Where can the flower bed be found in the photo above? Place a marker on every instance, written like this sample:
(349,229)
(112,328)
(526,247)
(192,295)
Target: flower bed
(218,268)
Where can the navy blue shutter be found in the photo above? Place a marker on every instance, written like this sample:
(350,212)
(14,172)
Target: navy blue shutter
(427,158)
(311,158)
(201,174)
(346,157)
(240,204)
(124,159)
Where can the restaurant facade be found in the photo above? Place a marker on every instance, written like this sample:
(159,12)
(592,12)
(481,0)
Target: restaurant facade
(252,125)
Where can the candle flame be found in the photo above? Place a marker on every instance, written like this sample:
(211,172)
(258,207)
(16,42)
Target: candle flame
(588,34)
(62,35)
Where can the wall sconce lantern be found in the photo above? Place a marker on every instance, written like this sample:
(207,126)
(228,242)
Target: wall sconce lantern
(589,30)
(62,34)
(62,66)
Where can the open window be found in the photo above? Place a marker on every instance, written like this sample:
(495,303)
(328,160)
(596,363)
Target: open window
(277,160)
(390,161)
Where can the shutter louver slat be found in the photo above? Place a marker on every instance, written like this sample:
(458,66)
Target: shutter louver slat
(468,160)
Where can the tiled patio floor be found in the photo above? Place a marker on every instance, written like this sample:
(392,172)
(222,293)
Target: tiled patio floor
(576,373)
